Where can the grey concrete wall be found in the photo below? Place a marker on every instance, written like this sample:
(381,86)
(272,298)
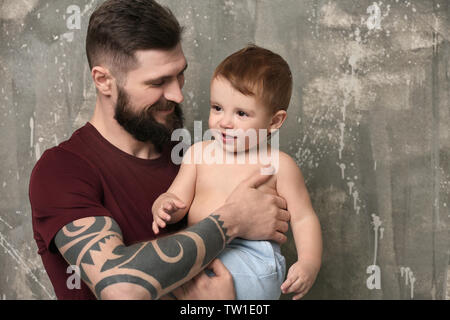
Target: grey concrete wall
(368,125)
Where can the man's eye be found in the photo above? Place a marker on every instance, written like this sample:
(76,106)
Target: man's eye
(242,114)
(157,84)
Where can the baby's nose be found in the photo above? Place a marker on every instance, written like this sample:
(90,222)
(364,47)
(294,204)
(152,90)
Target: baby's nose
(226,123)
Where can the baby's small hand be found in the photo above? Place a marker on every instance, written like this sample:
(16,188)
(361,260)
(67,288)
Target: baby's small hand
(300,279)
(162,213)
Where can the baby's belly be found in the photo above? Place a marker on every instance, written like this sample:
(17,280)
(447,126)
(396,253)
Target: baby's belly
(203,206)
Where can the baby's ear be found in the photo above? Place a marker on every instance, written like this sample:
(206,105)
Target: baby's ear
(278,119)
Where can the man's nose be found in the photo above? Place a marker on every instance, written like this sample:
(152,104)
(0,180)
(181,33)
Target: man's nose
(173,92)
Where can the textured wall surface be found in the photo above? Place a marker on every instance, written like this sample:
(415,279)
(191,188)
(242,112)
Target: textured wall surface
(369,125)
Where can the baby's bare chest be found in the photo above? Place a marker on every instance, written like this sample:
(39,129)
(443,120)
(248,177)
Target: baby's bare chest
(224,178)
(215,183)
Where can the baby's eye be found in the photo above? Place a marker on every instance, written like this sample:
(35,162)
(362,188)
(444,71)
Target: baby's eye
(242,114)
(216,108)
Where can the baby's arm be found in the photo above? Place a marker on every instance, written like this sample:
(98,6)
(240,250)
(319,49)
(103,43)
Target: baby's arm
(171,206)
(305,228)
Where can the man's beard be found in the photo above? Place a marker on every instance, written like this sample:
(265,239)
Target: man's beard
(142,125)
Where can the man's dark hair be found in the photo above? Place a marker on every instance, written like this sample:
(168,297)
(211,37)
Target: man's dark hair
(119,28)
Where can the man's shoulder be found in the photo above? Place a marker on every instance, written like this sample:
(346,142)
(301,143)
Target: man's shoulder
(68,151)
(57,163)
(58,156)
(65,157)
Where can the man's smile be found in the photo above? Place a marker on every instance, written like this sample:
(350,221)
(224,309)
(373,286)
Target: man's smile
(166,112)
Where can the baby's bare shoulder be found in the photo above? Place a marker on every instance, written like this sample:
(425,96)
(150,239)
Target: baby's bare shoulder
(286,161)
(287,167)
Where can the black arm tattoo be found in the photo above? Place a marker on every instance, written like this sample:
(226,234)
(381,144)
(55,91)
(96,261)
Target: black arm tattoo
(95,245)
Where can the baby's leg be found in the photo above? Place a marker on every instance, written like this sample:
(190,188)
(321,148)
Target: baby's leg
(257,267)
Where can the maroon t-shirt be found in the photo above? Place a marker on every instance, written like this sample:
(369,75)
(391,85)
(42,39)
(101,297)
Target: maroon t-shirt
(87,176)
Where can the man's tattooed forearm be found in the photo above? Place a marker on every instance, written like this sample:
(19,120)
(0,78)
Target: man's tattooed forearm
(219,223)
(95,245)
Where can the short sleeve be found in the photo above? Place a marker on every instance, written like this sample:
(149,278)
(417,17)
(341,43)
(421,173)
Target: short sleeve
(63,188)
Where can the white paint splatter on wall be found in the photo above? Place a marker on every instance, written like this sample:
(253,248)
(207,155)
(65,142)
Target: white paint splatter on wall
(350,185)
(22,262)
(37,151)
(6,223)
(376,222)
(410,279)
(356,200)
(341,139)
(342,167)
(31,132)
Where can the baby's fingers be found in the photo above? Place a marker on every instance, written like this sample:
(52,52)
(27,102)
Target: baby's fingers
(168,206)
(296,286)
(287,284)
(300,295)
(300,288)
(179,204)
(155,227)
(163,214)
(160,222)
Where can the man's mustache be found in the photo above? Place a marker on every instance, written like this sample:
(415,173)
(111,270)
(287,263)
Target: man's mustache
(162,106)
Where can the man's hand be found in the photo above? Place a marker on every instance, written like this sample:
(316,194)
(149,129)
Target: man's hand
(203,287)
(255,215)
(163,209)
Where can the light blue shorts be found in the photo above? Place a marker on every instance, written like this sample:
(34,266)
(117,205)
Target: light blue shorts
(257,267)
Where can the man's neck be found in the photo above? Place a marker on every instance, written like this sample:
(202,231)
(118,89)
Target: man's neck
(103,120)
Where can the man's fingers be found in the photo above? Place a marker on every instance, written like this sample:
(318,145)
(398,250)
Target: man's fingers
(182,290)
(218,268)
(256,180)
(279,237)
(284,215)
(282,226)
(280,202)
(178,292)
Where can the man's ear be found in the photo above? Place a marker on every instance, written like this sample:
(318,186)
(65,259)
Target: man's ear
(278,119)
(103,80)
